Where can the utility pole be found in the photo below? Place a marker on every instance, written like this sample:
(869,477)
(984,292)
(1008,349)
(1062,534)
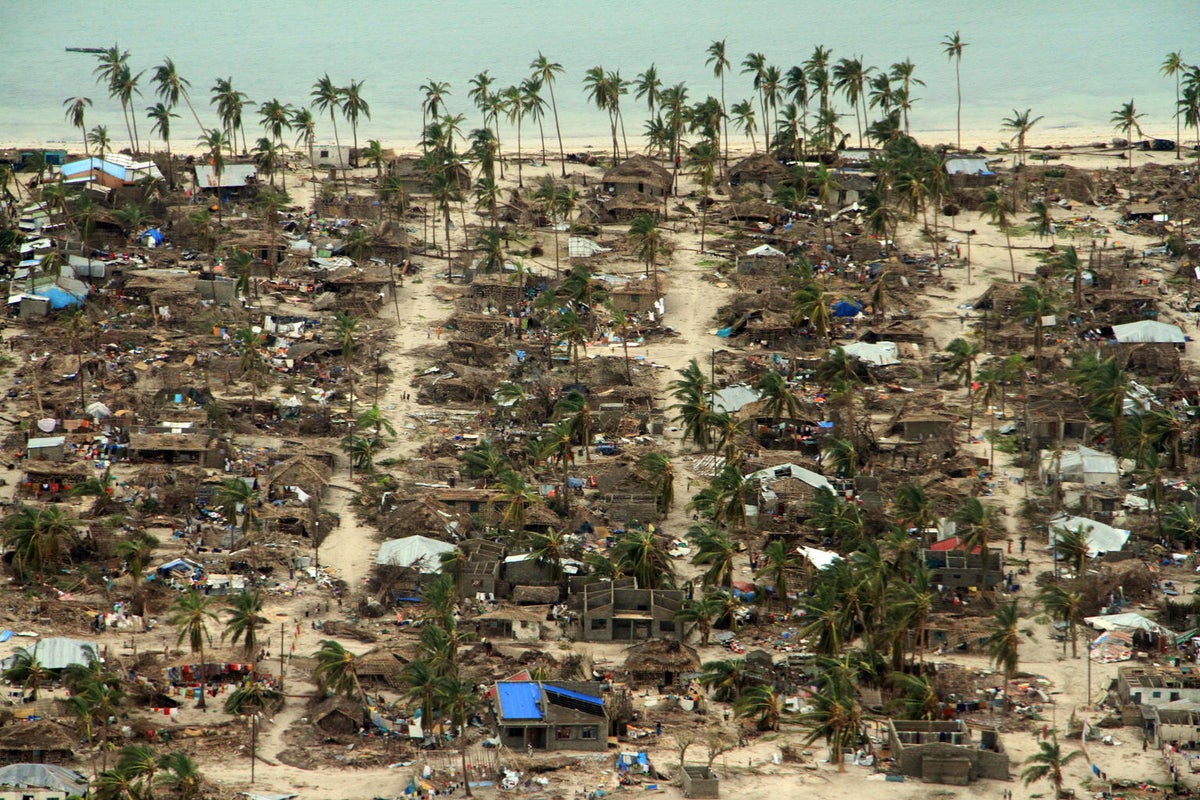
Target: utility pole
(281,657)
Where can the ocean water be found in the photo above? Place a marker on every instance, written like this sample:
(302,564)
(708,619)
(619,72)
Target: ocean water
(1072,62)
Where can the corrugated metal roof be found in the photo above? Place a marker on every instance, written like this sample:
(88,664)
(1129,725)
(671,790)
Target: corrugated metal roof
(59,652)
(733,398)
(43,776)
(968,166)
(232,176)
(519,700)
(46,441)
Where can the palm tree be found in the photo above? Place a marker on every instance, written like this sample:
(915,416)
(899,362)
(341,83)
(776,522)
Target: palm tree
(703,158)
(727,677)
(692,392)
(123,87)
(76,108)
(39,539)
(1126,119)
(1189,106)
(1065,606)
(646,241)
(811,304)
(648,86)
(99,138)
(160,117)
(849,76)
(836,715)
(1003,642)
(244,619)
(660,477)
(1020,123)
(336,671)
(1172,66)
(171,86)
(719,61)
(25,669)
(1048,763)
(778,560)
(518,497)
(1039,303)
(213,142)
(700,613)
(640,553)
(763,704)
(306,127)
(327,97)
(191,613)
(715,550)
(978,526)
(742,114)
(178,772)
(996,209)
(777,397)
(230,103)
(548,71)
(952,46)
(354,106)
(1104,386)
(345,328)
(902,71)
(912,507)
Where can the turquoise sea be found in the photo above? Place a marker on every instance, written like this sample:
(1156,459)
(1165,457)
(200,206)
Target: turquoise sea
(1073,62)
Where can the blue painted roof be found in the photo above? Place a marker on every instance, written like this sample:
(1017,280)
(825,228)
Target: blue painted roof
(587,698)
(519,700)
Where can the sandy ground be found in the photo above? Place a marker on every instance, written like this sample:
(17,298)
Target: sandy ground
(749,771)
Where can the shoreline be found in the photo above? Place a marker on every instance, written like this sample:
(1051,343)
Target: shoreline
(1049,139)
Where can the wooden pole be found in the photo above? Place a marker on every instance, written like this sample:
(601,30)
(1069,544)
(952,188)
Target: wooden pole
(253,744)
(281,657)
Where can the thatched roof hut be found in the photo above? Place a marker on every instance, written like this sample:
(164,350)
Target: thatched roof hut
(379,665)
(639,174)
(761,171)
(530,595)
(625,207)
(338,715)
(310,475)
(38,742)
(660,661)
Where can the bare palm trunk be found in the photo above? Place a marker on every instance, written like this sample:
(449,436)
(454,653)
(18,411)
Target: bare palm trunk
(562,156)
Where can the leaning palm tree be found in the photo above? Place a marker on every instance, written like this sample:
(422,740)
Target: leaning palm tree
(191,614)
(1020,123)
(548,71)
(171,86)
(660,478)
(998,212)
(952,46)
(336,671)
(726,677)
(327,97)
(1047,763)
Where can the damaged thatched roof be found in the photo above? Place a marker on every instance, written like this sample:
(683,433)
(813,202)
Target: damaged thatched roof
(661,655)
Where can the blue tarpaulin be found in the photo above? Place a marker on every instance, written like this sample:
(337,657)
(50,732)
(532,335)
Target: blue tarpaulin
(59,298)
(845,308)
(154,235)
